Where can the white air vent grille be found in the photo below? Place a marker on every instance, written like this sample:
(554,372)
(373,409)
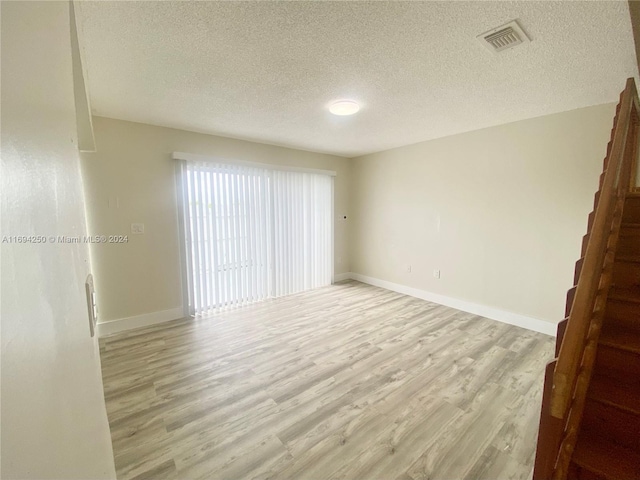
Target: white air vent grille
(503,37)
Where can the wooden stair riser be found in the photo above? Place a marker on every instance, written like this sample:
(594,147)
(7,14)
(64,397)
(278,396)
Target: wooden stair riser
(595,458)
(629,237)
(619,364)
(631,212)
(583,247)
(577,270)
(626,274)
(617,426)
(605,164)
(622,313)
(622,394)
(560,329)
(590,221)
(576,472)
(629,241)
(571,293)
(606,158)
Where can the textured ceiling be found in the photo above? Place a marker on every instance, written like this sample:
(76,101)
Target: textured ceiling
(265,71)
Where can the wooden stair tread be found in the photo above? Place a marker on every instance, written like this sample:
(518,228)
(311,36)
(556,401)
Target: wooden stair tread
(606,389)
(606,459)
(621,338)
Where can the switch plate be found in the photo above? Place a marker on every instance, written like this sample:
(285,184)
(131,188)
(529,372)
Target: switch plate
(436,273)
(137,228)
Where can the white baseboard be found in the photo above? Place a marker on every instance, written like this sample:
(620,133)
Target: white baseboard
(339,277)
(137,321)
(530,323)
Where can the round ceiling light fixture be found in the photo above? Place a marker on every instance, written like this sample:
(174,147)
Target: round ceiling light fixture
(344,107)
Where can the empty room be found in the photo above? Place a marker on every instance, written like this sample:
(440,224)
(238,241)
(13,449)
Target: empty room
(313,240)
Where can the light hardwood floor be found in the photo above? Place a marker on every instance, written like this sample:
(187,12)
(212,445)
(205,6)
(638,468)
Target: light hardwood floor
(344,382)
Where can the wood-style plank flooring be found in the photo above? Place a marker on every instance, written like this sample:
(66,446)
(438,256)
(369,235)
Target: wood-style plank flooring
(344,382)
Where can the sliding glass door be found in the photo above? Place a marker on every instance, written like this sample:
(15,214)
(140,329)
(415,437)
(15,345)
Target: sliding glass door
(250,233)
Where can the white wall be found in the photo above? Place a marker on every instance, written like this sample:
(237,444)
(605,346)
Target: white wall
(54,422)
(500,211)
(131,179)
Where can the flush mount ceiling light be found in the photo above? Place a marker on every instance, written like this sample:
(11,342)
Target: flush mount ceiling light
(344,107)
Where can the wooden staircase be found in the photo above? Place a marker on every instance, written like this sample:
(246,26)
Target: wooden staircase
(608,444)
(590,419)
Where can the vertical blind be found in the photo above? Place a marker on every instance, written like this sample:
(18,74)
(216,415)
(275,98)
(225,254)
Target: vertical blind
(250,233)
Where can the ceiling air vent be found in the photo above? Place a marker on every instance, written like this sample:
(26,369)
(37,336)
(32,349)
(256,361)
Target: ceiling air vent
(504,37)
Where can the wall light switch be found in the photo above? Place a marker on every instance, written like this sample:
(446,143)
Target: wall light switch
(137,228)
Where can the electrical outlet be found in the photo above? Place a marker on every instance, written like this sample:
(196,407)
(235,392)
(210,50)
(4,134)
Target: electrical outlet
(409,268)
(436,273)
(137,228)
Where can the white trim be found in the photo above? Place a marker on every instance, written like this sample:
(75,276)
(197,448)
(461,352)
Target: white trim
(339,277)
(530,323)
(137,321)
(192,157)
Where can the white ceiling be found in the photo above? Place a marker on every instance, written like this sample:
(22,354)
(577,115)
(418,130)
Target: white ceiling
(265,71)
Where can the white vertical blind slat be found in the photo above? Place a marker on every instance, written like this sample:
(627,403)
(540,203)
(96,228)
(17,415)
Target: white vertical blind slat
(186,238)
(261,253)
(253,229)
(278,211)
(196,241)
(228,279)
(221,299)
(203,239)
(278,236)
(289,251)
(233,265)
(249,233)
(213,236)
(240,239)
(246,275)
(297,244)
(270,229)
(301,232)
(238,235)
